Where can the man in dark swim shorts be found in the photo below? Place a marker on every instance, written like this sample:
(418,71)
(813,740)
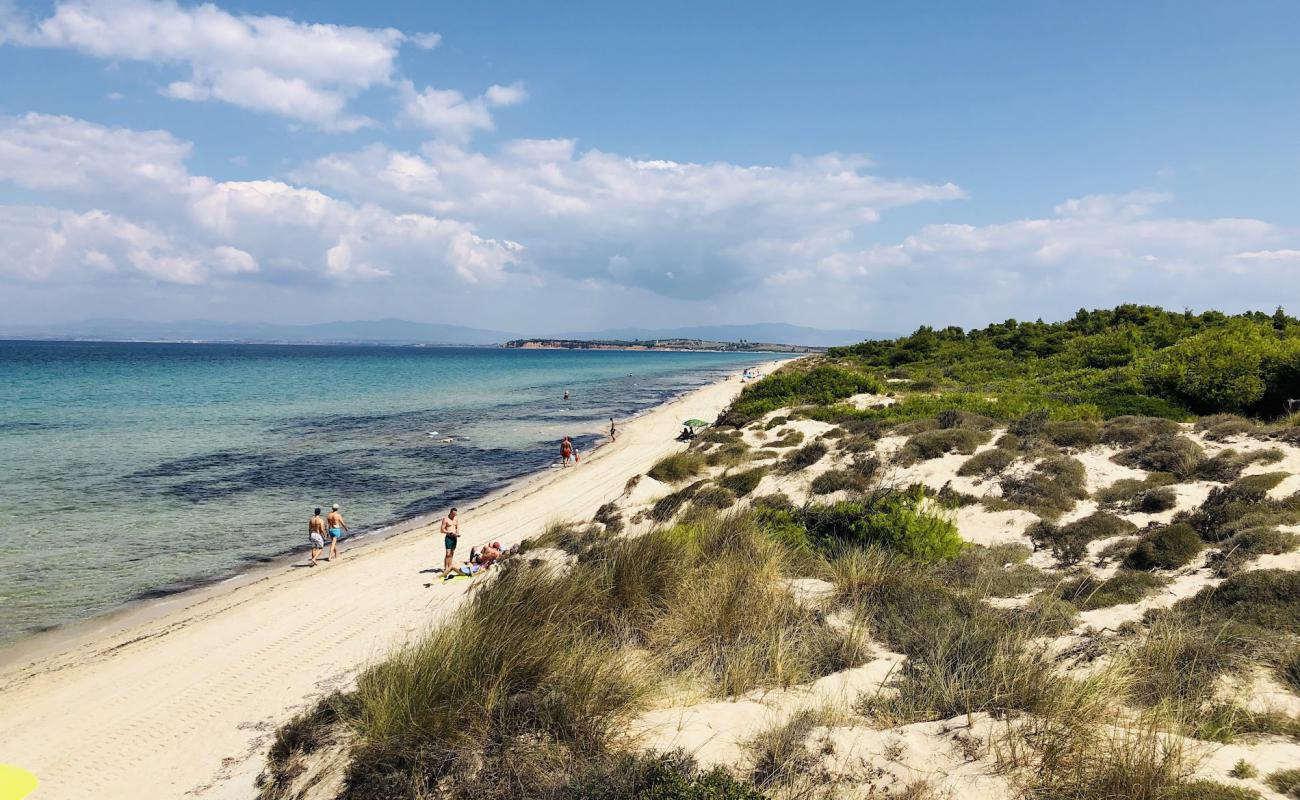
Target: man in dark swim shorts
(450,536)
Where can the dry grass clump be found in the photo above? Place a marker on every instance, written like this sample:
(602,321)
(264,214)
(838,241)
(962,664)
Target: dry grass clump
(668,505)
(1129,430)
(1286,781)
(728,455)
(1079,434)
(1050,489)
(1168,547)
(714,498)
(742,483)
(1088,593)
(778,754)
(677,467)
(803,458)
(308,731)
(1069,543)
(740,628)
(1228,465)
(1288,668)
(576,540)
(1125,492)
(609,516)
(1170,453)
(988,463)
(997,571)
(719,435)
(932,444)
(776,422)
(1177,667)
(655,776)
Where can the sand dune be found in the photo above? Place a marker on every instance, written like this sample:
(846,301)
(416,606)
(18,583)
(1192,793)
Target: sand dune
(183,702)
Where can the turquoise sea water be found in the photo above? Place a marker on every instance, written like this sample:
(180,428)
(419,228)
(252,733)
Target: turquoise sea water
(130,469)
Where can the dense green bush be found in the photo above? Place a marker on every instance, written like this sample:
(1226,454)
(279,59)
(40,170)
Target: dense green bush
(903,522)
(1265,598)
(794,385)
(989,463)
(1169,547)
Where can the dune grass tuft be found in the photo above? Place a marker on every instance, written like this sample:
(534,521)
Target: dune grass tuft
(1169,547)
(803,458)
(677,467)
(1089,593)
(1170,453)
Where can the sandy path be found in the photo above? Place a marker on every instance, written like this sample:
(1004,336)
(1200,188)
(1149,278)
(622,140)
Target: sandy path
(183,704)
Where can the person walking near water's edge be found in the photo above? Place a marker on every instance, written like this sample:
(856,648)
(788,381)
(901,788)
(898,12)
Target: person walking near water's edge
(337,527)
(316,534)
(612,430)
(450,536)
(566,451)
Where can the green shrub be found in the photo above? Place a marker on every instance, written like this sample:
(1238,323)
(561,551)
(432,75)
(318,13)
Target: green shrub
(1243,506)
(1069,543)
(1228,465)
(677,467)
(1154,501)
(1074,433)
(1050,489)
(1169,547)
(837,480)
(1243,770)
(901,522)
(1244,547)
(803,458)
(1224,426)
(1170,453)
(1209,790)
(1220,369)
(742,483)
(795,385)
(932,444)
(728,455)
(790,438)
(779,753)
(1088,593)
(656,776)
(1125,491)
(1267,599)
(1133,430)
(775,422)
(988,463)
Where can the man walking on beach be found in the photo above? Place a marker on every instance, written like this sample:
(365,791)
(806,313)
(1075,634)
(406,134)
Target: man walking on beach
(611,430)
(316,534)
(337,527)
(566,451)
(450,536)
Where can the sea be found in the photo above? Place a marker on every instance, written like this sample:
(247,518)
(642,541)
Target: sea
(134,470)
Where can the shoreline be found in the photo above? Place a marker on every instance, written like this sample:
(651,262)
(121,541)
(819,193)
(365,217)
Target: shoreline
(209,671)
(37,643)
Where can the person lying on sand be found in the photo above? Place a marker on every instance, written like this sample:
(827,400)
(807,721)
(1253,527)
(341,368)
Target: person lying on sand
(316,535)
(489,555)
(337,527)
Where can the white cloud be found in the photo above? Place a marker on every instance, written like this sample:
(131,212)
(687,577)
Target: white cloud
(304,71)
(599,216)
(1270,255)
(426,41)
(450,115)
(500,96)
(193,230)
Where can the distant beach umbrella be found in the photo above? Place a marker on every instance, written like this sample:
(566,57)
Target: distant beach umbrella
(694,423)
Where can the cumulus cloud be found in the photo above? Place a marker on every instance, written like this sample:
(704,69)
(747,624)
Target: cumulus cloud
(191,229)
(450,115)
(593,215)
(304,71)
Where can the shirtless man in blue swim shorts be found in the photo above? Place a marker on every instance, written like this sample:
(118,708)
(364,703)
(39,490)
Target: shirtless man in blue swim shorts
(337,527)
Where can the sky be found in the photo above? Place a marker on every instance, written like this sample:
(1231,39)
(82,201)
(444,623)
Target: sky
(584,165)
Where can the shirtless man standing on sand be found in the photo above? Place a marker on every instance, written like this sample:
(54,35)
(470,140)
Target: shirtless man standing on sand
(337,527)
(316,533)
(450,536)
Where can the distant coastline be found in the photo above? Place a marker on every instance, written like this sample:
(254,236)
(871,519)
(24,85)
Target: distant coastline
(692,345)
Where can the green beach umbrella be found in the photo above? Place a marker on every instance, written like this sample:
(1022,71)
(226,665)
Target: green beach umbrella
(695,423)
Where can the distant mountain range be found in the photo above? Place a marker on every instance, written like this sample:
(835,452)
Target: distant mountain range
(398,331)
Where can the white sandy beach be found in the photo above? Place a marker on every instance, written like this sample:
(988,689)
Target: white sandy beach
(183,703)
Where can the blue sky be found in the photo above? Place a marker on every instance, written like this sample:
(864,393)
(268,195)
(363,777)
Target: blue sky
(838,164)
